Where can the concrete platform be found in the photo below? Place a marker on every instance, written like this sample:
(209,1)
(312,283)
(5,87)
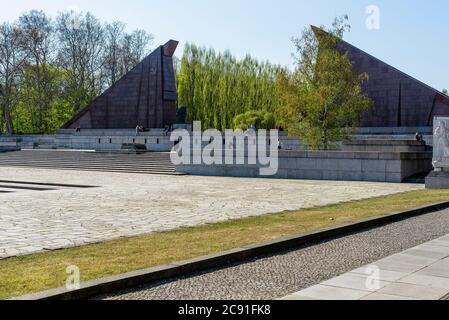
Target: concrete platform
(370,166)
(382,145)
(437,180)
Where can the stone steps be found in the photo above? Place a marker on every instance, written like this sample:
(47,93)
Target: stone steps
(147,163)
(107,158)
(101,170)
(93,168)
(90,165)
(68,162)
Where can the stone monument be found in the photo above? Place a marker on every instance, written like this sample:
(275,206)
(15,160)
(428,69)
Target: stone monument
(399,100)
(145,96)
(439,178)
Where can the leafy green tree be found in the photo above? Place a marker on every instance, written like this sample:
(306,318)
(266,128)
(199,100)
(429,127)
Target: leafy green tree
(216,87)
(28,117)
(322,99)
(37,42)
(12,60)
(52,68)
(261,119)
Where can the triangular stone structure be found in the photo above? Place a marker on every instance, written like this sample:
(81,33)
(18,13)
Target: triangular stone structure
(145,96)
(399,99)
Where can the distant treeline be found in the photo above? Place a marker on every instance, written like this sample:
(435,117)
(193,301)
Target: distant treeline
(52,68)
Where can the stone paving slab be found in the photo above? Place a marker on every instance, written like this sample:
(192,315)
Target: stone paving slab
(439,269)
(386,297)
(406,290)
(428,281)
(324,292)
(127,205)
(353,281)
(385,275)
(420,273)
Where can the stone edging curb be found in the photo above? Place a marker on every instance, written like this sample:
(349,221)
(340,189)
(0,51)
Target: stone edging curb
(132,279)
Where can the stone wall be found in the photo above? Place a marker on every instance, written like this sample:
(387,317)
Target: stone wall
(31,141)
(386,136)
(330,165)
(394,133)
(8,146)
(112,139)
(381,145)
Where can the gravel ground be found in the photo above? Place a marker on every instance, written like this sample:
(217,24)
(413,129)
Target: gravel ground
(278,275)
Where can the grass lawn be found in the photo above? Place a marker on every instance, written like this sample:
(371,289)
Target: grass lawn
(27,274)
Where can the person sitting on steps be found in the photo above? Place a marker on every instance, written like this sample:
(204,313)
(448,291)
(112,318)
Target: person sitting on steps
(167,129)
(419,137)
(138,130)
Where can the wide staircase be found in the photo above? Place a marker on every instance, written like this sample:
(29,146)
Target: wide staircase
(143,163)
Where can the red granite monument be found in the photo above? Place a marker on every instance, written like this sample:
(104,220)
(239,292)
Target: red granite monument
(399,99)
(146,96)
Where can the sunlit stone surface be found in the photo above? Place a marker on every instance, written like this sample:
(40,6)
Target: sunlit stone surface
(126,205)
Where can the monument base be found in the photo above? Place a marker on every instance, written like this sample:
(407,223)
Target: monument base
(9,146)
(392,167)
(437,180)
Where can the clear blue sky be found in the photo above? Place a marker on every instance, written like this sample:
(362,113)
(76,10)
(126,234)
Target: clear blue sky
(413,34)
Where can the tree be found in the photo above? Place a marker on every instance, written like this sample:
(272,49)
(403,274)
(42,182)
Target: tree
(123,51)
(51,69)
(261,119)
(57,112)
(445,92)
(217,87)
(135,47)
(322,99)
(12,61)
(81,40)
(114,39)
(37,41)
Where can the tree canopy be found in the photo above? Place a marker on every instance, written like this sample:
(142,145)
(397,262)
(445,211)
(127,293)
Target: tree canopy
(260,119)
(217,87)
(322,99)
(52,68)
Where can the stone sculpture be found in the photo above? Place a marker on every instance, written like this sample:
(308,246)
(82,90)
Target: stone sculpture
(439,177)
(441,143)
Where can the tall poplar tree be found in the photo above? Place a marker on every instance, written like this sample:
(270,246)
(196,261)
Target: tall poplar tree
(217,87)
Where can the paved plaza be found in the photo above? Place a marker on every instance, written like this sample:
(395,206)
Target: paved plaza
(40,212)
(420,273)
